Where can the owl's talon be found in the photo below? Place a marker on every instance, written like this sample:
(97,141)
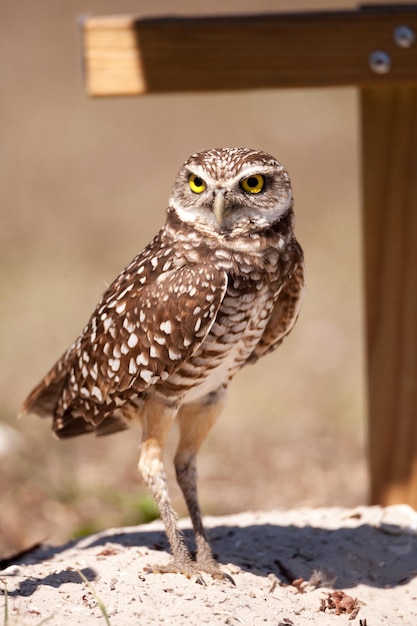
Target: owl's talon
(215,572)
(229,578)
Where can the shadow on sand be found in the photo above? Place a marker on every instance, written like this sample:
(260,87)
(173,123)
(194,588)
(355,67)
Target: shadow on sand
(345,556)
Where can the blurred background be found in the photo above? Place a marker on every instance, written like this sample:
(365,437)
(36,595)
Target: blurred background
(84,185)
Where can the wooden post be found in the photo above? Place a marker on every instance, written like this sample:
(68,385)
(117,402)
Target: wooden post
(389,132)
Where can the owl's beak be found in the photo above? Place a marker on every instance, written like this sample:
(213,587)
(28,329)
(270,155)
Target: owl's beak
(218,206)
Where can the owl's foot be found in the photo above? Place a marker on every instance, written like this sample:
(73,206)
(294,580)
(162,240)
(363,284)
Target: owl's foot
(191,569)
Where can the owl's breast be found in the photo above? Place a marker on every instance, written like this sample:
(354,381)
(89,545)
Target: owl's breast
(239,324)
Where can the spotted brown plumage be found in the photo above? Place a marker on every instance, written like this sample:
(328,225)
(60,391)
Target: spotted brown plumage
(218,287)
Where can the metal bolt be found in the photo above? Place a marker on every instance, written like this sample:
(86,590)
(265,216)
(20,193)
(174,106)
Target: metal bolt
(380,62)
(404,36)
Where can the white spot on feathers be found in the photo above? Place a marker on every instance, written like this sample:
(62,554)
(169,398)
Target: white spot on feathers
(133,340)
(132,367)
(128,325)
(147,375)
(107,323)
(96,391)
(94,371)
(166,327)
(114,364)
(121,307)
(124,292)
(142,359)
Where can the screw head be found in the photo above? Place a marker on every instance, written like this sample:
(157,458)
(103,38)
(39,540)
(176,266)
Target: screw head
(380,62)
(404,36)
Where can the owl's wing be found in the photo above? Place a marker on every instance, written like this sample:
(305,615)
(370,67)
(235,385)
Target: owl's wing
(284,314)
(138,336)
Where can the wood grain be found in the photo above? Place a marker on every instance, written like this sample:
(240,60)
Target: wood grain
(389,130)
(124,55)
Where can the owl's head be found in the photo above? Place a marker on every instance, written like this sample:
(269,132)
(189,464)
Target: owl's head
(232,191)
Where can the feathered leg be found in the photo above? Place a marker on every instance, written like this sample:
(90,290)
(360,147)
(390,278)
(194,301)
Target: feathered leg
(195,420)
(157,420)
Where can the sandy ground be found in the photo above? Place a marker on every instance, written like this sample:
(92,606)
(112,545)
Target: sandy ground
(306,566)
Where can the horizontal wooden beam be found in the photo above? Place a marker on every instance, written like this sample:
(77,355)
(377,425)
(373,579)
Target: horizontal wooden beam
(124,55)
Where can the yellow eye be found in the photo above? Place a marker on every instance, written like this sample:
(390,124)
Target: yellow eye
(253,184)
(197,184)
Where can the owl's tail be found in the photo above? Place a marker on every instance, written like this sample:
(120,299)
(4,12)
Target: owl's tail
(43,400)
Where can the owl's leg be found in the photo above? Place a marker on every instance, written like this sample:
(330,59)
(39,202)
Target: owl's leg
(195,420)
(157,420)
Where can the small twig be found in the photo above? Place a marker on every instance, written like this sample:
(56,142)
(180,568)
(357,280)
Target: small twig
(100,603)
(274,582)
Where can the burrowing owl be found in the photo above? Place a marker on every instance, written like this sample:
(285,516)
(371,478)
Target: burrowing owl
(218,287)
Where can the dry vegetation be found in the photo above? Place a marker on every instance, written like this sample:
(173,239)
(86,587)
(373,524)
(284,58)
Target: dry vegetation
(84,185)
